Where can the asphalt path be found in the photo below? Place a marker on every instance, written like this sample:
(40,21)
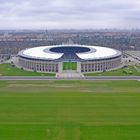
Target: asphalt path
(24,78)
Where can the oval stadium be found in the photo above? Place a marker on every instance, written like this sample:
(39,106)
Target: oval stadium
(64,58)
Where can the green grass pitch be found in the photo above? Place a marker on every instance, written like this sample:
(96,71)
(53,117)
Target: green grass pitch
(69,110)
(69,65)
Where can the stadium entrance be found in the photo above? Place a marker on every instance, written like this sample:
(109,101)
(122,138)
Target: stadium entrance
(69,69)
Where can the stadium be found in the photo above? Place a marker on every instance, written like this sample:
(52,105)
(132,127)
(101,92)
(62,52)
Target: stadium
(65,58)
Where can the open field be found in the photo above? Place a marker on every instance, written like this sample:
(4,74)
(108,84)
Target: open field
(129,71)
(69,110)
(9,70)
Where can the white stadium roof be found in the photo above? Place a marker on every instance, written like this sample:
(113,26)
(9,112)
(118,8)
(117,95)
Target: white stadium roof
(95,52)
(38,52)
(101,52)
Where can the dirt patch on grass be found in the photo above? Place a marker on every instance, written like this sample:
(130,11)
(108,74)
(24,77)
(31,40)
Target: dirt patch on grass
(26,85)
(63,86)
(41,85)
(96,90)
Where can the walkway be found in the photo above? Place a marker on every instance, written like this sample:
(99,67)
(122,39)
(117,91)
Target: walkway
(69,75)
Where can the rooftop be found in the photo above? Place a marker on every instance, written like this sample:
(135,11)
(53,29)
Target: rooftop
(69,51)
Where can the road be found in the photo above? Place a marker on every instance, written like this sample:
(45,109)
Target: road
(54,78)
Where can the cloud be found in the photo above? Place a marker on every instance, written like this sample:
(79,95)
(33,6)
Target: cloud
(69,14)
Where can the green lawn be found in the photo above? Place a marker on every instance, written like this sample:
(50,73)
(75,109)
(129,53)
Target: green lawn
(9,70)
(69,65)
(69,110)
(129,71)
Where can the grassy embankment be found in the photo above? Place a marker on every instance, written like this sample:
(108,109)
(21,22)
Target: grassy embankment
(9,70)
(128,71)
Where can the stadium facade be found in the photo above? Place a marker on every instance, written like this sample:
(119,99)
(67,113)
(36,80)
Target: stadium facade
(63,58)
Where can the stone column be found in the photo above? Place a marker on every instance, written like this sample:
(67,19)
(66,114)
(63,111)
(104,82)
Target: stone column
(78,67)
(60,67)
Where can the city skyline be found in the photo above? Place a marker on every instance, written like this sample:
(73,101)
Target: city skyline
(69,14)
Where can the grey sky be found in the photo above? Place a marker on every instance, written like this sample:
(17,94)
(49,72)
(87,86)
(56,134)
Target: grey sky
(79,14)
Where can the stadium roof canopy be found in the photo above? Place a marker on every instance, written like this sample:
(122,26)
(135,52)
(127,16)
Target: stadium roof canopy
(82,52)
